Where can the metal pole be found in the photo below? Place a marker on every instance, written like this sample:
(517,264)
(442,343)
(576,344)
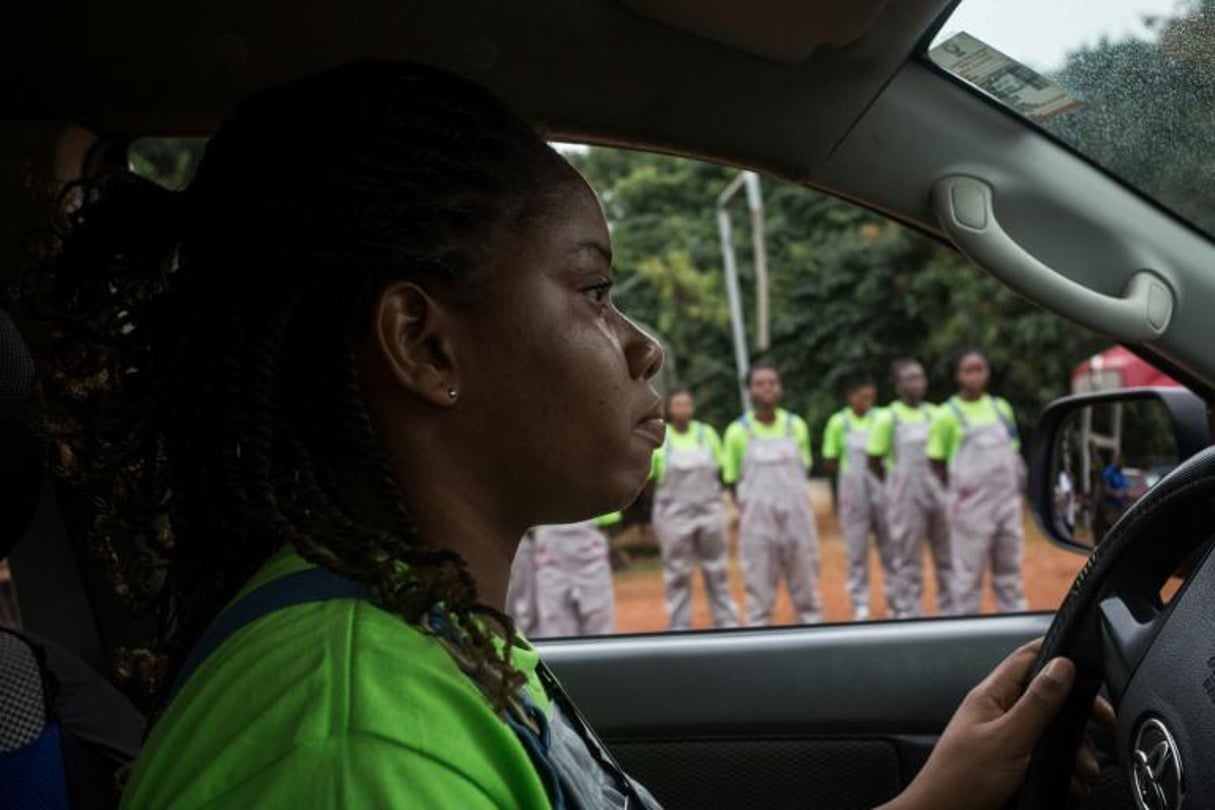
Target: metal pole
(755,202)
(733,297)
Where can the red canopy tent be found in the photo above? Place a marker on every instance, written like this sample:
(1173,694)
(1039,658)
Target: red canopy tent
(1117,367)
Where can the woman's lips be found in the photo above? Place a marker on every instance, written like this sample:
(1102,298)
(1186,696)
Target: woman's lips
(653,429)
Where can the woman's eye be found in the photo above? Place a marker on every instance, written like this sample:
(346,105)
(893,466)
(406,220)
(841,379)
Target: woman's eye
(599,293)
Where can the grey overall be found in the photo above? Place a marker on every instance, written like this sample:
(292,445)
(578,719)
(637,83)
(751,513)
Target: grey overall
(521,592)
(690,521)
(985,515)
(917,511)
(863,510)
(573,581)
(777,531)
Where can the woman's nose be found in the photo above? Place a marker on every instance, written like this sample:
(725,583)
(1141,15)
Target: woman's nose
(643,353)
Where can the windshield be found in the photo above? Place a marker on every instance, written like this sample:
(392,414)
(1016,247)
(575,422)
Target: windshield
(1130,84)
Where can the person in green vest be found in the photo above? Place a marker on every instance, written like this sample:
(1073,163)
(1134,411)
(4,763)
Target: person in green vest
(916,508)
(862,508)
(689,516)
(767,456)
(974,450)
(573,578)
(316,399)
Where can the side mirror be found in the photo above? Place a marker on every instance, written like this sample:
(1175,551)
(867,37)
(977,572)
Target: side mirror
(1093,455)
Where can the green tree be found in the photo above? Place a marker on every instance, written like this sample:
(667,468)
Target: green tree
(1147,110)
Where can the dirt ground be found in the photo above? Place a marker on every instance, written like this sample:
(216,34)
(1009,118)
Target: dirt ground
(1048,572)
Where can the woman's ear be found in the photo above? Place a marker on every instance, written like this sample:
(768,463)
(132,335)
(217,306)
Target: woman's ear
(410,331)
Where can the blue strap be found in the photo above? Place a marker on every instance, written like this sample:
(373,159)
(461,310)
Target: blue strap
(1009,427)
(745,419)
(311,585)
(666,442)
(537,748)
(1004,420)
(953,406)
(33,776)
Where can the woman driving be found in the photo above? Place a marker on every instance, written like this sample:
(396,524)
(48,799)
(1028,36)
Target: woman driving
(317,399)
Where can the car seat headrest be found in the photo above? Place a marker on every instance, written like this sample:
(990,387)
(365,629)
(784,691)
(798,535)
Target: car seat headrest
(23,450)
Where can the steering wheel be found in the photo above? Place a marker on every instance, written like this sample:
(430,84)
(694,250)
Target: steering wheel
(1157,659)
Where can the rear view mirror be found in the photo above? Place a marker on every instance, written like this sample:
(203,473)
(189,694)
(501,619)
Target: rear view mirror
(1094,455)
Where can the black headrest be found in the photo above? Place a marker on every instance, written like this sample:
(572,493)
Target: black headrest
(23,451)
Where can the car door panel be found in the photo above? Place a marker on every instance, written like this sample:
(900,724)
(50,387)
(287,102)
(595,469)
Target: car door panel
(837,716)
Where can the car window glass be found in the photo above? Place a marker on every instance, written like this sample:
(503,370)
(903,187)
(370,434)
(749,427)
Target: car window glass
(1130,87)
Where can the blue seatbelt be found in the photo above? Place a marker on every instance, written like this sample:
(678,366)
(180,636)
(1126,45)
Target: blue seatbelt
(311,585)
(33,777)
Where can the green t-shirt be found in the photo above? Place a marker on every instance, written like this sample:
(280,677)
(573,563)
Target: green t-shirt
(945,436)
(334,704)
(835,435)
(881,435)
(696,433)
(738,435)
(610,519)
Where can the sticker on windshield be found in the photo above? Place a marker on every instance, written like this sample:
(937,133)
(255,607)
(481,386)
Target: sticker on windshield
(1028,92)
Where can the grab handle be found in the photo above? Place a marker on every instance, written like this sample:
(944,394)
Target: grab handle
(963,206)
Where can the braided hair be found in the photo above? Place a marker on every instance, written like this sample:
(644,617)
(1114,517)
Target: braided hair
(198,348)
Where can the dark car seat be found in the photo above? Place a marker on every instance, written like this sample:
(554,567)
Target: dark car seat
(64,730)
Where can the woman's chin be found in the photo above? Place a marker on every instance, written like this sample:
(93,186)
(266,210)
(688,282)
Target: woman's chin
(608,493)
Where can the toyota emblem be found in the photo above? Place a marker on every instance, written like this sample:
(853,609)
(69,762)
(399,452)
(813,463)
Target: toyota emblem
(1156,767)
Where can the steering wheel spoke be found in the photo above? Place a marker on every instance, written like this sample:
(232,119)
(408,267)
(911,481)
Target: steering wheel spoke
(1125,640)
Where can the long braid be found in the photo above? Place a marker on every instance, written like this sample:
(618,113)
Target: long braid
(198,349)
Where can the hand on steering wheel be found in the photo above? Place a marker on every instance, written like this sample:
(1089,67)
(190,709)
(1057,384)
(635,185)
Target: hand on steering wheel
(1157,659)
(982,756)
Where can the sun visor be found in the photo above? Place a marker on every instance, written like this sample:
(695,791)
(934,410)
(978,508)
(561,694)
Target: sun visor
(780,30)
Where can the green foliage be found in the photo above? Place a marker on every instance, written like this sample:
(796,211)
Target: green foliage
(1147,111)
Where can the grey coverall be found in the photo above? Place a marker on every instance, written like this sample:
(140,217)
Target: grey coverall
(573,581)
(917,510)
(521,592)
(985,514)
(777,531)
(690,521)
(863,510)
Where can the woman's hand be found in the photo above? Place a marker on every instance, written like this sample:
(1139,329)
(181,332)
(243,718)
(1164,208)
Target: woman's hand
(982,756)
